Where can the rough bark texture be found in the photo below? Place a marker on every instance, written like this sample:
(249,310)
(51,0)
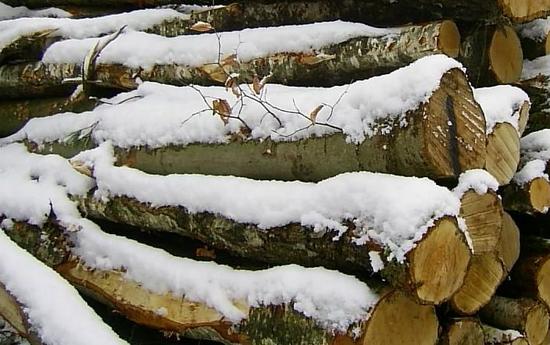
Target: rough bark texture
(277,325)
(484,275)
(533,49)
(492,55)
(294,244)
(538,90)
(462,331)
(483,214)
(443,138)
(341,63)
(531,275)
(531,198)
(377,12)
(503,152)
(15,113)
(524,315)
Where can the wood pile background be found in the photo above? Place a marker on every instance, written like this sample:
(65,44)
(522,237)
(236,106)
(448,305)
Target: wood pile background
(441,293)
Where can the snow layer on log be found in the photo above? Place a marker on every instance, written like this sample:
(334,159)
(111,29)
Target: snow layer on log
(55,310)
(536,30)
(139,49)
(478,180)
(157,115)
(535,154)
(10,30)
(315,292)
(502,103)
(536,67)
(391,210)
(8,12)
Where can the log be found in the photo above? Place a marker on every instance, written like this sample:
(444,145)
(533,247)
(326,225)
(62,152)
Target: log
(531,275)
(483,214)
(183,316)
(485,274)
(534,38)
(508,247)
(495,336)
(462,331)
(444,136)
(503,152)
(527,316)
(537,88)
(329,64)
(15,113)
(376,12)
(531,198)
(492,55)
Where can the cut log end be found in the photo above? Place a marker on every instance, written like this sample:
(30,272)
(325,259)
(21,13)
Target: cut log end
(439,262)
(449,38)
(522,11)
(503,152)
(506,55)
(523,116)
(483,215)
(536,324)
(484,275)
(464,331)
(543,281)
(417,324)
(539,194)
(455,142)
(508,247)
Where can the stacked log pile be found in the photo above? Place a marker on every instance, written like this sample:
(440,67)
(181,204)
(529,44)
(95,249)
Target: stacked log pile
(275,172)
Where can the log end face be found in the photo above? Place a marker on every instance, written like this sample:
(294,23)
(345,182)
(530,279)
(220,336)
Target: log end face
(506,55)
(539,194)
(543,281)
(509,243)
(449,38)
(503,153)
(465,331)
(397,319)
(536,324)
(522,11)
(439,262)
(524,112)
(485,274)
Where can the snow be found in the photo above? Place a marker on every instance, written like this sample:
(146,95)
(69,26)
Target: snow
(139,49)
(530,171)
(477,180)
(334,300)
(54,309)
(9,12)
(536,145)
(81,28)
(496,336)
(393,211)
(376,261)
(536,67)
(157,115)
(536,30)
(501,104)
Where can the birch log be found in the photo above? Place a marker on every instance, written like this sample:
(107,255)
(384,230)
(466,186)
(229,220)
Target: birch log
(275,324)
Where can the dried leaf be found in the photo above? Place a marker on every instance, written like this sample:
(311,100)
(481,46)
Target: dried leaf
(222,108)
(205,253)
(214,72)
(230,60)
(82,168)
(315,59)
(315,112)
(233,84)
(256,86)
(202,27)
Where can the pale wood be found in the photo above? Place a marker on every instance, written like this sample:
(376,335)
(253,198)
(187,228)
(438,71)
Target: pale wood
(524,115)
(462,331)
(503,152)
(484,275)
(532,198)
(527,316)
(508,247)
(483,214)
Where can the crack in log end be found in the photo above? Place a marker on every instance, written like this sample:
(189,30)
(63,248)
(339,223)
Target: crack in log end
(453,135)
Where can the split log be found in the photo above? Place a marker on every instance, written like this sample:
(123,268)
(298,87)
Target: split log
(376,12)
(15,113)
(443,136)
(462,331)
(531,275)
(484,217)
(485,274)
(527,316)
(508,247)
(492,55)
(196,320)
(495,336)
(503,152)
(330,64)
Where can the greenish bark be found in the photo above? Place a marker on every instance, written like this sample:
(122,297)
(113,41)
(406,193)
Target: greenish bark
(15,113)
(538,89)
